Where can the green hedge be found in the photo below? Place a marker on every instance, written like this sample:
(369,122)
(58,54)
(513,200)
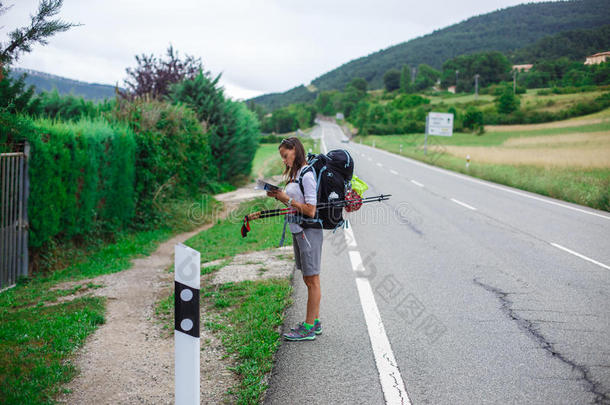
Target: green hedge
(173,156)
(108,174)
(81,175)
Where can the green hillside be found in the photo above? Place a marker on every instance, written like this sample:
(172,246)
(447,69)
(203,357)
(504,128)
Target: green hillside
(506,30)
(274,101)
(47,82)
(574,45)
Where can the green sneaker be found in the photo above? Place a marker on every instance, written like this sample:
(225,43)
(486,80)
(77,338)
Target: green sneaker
(317,327)
(300,333)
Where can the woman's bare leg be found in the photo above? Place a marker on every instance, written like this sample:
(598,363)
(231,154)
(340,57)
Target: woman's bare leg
(314,294)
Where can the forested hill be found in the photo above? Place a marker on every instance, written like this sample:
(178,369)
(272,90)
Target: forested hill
(273,101)
(574,45)
(47,82)
(504,30)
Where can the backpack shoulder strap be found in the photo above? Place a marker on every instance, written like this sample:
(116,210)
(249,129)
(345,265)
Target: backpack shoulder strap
(306,169)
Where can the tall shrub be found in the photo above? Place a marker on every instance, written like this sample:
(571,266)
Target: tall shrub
(391,80)
(507,102)
(244,136)
(233,129)
(173,156)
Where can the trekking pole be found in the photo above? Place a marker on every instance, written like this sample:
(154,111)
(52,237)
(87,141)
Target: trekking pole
(338,203)
(333,204)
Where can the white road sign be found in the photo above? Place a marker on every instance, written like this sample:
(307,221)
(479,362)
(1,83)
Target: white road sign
(439,124)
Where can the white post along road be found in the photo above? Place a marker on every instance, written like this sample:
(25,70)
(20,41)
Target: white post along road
(456,290)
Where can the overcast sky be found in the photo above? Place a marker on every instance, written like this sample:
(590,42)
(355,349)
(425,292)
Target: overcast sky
(259,46)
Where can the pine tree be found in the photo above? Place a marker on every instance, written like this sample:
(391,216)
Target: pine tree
(405,79)
(41,27)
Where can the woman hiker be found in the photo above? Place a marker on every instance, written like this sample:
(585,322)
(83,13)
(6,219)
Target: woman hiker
(306,241)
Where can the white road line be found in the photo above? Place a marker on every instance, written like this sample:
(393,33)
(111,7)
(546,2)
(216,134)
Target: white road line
(581,256)
(349,237)
(356,260)
(498,187)
(322,143)
(463,204)
(392,384)
(379,164)
(393,172)
(417,183)
(369,158)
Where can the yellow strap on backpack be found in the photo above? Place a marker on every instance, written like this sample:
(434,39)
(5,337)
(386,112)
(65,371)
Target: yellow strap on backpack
(358,185)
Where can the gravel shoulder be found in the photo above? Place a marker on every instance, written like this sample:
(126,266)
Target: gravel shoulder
(130,358)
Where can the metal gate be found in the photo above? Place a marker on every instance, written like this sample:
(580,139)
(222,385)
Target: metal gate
(14,190)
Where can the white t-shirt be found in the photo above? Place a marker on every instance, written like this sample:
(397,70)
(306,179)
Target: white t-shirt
(293,190)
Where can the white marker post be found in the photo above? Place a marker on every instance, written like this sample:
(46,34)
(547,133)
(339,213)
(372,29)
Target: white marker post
(186,324)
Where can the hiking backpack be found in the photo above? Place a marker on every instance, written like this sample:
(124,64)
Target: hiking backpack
(333,172)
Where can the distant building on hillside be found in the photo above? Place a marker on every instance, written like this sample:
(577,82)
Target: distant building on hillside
(597,58)
(523,68)
(451,89)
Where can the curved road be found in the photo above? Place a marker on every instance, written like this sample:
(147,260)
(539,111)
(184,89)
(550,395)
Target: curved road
(455,291)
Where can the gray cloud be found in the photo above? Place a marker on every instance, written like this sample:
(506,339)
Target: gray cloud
(258,46)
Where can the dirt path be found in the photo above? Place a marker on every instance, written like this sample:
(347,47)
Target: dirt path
(130,359)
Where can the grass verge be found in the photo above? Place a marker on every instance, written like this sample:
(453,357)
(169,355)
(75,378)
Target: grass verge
(267,161)
(224,239)
(585,186)
(245,315)
(39,333)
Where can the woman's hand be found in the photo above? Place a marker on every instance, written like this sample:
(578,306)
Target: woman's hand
(279,195)
(307,209)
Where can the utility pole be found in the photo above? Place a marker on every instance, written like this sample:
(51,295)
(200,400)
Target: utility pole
(476,86)
(413,74)
(456,79)
(515,81)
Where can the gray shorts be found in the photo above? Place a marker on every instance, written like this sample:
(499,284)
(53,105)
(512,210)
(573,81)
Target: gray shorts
(307,246)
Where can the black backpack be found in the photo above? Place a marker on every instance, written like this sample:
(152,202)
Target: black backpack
(333,173)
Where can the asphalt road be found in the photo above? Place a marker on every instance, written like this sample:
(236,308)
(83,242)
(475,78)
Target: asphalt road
(484,294)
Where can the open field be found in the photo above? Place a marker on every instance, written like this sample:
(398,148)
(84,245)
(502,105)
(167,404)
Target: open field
(460,98)
(569,160)
(575,122)
(493,138)
(558,140)
(587,156)
(575,149)
(530,98)
(556,102)
(596,118)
